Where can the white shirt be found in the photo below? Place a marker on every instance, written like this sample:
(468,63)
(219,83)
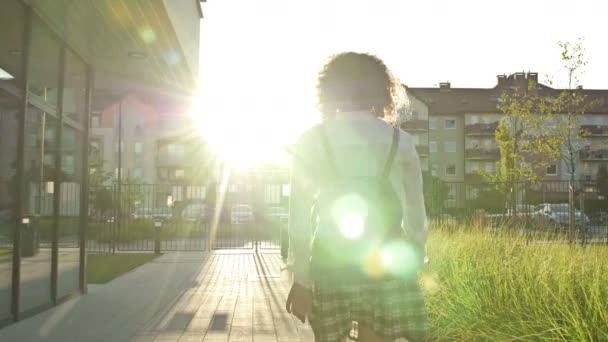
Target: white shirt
(360,143)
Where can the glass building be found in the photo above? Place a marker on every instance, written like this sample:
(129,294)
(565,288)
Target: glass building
(53,57)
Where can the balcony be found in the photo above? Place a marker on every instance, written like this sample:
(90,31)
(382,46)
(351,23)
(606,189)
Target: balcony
(481,153)
(596,130)
(481,129)
(415,125)
(474,177)
(166,159)
(590,155)
(423,150)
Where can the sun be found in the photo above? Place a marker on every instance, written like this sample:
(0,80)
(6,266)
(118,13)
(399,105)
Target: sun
(255,128)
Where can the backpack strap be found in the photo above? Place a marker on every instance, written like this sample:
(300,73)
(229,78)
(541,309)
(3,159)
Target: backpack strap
(329,152)
(391,155)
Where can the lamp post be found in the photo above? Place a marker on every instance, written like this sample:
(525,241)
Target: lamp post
(157,226)
(112,235)
(119,176)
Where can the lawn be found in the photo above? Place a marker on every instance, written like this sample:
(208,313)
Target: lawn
(102,268)
(482,286)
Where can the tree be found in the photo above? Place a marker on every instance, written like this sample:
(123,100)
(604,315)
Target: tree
(512,169)
(554,123)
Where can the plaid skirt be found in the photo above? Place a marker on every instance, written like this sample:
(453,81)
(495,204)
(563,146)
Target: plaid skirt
(392,309)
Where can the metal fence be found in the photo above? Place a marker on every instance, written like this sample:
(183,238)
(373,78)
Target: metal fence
(177,217)
(577,210)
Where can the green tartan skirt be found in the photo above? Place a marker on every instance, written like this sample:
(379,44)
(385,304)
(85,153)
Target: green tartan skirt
(392,309)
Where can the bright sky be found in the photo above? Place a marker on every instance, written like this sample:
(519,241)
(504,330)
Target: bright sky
(259,58)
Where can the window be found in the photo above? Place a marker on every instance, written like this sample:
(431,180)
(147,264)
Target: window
(139,147)
(450,146)
(68,164)
(433,147)
(116,172)
(474,144)
(162,173)
(138,173)
(475,166)
(95,121)
(415,139)
(451,194)
(415,114)
(450,170)
(32,140)
(433,123)
(473,119)
(488,144)
(49,159)
(49,135)
(552,170)
(69,137)
(176,150)
(179,174)
(434,170)
(450,124)
(490,168)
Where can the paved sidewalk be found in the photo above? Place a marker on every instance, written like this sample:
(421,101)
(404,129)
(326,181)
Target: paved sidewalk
(233,296)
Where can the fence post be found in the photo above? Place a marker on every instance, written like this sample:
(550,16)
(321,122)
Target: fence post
(157,226)
(570,212)
(583,224)
(284,237)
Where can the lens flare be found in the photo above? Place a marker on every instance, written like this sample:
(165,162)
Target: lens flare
(352,225)
(147,35)
(350,212)
(400,259)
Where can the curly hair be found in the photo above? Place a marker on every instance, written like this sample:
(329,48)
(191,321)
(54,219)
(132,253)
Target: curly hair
(353,81)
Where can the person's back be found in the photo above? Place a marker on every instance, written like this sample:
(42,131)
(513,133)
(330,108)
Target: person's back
(354,143)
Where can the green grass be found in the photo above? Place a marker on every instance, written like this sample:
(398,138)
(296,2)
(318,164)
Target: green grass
(102,268)
(5,251)
(482,286)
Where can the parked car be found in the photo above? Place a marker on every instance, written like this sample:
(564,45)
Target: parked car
(600,218)
(195,212)
(241,213)
(276,213)
(558,213)
(142,213)
(161,213)
(523,209)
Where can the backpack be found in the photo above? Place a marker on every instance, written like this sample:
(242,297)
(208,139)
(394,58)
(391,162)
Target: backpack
(356,224)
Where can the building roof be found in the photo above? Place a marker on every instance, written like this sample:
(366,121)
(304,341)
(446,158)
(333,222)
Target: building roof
(445,100)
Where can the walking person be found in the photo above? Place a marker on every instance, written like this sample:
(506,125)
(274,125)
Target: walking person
(357,221)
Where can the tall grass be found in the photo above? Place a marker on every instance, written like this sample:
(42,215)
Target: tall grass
(484,286)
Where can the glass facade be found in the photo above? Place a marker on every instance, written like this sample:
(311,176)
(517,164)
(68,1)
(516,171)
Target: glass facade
(42,165)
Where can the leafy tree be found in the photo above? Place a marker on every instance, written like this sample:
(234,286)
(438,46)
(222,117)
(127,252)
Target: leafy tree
(554,121)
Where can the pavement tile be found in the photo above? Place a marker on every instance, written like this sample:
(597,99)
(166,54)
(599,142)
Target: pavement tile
(199,326)
(143,338)
(241,334)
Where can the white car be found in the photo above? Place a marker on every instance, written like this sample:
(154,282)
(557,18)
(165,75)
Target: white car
(559,213)
(195,212)
(277,213)
(241,213)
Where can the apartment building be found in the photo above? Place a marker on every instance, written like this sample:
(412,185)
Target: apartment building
(159,143)
(462,123)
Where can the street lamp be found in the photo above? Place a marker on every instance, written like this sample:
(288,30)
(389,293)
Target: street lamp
(157,225)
